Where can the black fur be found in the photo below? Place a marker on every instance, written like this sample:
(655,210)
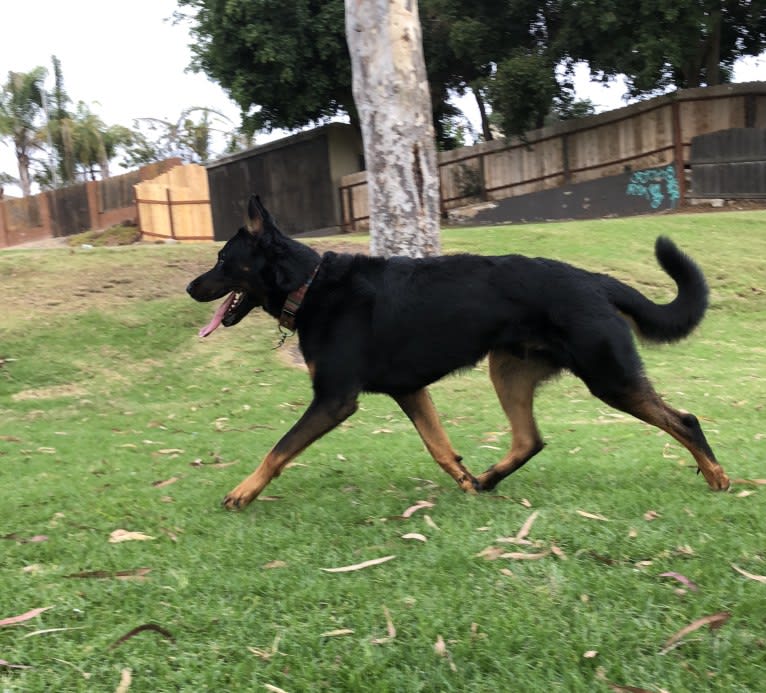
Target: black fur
(397,325)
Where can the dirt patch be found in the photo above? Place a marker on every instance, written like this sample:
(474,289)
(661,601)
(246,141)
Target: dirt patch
(69,390)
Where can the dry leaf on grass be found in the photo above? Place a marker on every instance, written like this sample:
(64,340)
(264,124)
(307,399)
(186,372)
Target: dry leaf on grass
(440,648)
(416,536)
(592,516)
(45,631)
(491,553)
(8,665)
(273,689)
(590,654)
(358,566)
(527,526)
(682,579)
(274,564)
(140,629)
(390,629)
(420,505)
(745,494)
(120,535)
(27,616)
(266,655)
(36,539)
(650,515)
(427,519)
(134,574)
(166,482)
(125,680)
(336,633)
(521,556)
(714,621)
(751,576)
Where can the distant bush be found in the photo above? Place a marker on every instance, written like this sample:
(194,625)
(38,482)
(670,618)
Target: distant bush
(119,234)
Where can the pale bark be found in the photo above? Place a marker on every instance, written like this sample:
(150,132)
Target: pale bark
(394,105)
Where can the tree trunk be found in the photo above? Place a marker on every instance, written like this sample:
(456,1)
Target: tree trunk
(486,130)
(394,106)
(22,158)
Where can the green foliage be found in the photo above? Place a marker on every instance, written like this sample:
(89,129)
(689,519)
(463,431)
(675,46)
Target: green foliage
(156,139)
(285,63)
(660,44)
(522,92)
(114,415)
(21,103)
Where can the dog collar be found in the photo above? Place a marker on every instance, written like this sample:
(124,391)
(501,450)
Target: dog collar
(293,303)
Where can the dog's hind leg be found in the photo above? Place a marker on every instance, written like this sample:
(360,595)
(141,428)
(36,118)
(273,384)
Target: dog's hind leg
(644,403)
(420,409)
(322,416)
(515,380)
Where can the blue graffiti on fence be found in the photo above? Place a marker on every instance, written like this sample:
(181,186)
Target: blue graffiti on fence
(650,182)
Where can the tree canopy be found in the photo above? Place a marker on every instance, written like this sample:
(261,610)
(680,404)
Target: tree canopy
(286,64)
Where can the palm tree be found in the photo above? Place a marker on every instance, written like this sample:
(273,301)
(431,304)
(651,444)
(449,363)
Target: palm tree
(21,107)
(185,138)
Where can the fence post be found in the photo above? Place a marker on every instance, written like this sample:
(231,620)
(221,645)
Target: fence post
(3,226)
(483,178)
(678,150)
(565,158)
(46,219)
(169,196)
(91,190)
(350,195)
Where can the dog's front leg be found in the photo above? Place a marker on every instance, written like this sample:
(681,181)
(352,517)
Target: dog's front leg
(322,416)
(420,409)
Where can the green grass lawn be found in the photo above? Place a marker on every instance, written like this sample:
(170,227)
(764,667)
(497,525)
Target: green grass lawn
(115,416)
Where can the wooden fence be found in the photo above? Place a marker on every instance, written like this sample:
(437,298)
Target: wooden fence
(648,134)
(75,208)
(176,205)
(730,164)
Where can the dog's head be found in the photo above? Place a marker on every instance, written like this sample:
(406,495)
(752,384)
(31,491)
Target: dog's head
(245,270)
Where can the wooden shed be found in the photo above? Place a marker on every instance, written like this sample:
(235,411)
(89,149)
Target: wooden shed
(297,177)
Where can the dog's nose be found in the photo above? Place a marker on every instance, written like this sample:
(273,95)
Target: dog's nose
(190,288)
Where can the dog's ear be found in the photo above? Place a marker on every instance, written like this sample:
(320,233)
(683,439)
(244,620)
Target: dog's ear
(256,215)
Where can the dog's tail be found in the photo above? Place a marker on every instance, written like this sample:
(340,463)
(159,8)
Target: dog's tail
(671,321)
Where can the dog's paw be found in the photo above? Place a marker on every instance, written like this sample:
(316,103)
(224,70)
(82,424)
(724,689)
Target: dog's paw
(237,499)
(469,484)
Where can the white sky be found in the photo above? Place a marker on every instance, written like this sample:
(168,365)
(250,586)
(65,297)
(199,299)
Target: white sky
(127,61)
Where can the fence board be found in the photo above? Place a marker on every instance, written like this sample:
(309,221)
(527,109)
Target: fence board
(176,204)
(69,210)
(730,163)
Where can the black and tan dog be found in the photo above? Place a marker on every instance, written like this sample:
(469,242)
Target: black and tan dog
(396,325)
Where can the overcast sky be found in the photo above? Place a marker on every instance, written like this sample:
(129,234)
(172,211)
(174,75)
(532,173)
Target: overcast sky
(128,61)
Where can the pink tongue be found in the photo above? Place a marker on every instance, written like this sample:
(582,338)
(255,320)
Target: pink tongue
(218,317)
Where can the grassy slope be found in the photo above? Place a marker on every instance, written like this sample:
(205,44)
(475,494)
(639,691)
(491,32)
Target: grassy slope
(105,390)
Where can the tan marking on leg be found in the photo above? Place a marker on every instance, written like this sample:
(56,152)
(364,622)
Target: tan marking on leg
(515,381)
(420,409)
(318,419)
(648,406)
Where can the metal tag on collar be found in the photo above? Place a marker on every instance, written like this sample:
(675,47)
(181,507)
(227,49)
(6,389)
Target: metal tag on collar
(283,335)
